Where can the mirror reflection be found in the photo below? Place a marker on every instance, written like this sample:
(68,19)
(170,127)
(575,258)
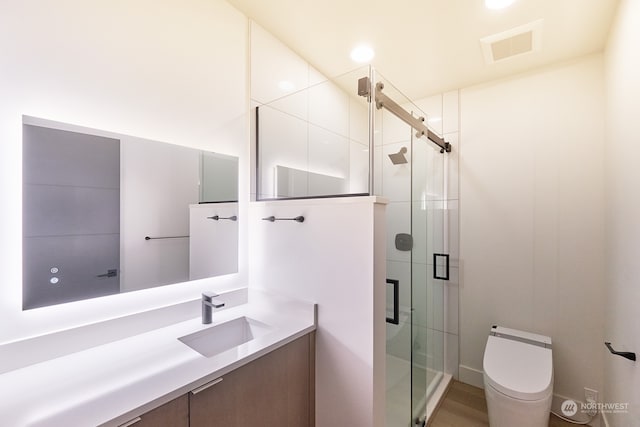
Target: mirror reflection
(105,213)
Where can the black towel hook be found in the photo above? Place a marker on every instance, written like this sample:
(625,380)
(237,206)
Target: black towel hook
(626,354)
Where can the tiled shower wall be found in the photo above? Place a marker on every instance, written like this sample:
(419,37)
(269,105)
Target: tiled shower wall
(315,127)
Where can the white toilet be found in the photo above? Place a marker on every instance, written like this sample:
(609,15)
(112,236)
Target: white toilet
(518,378)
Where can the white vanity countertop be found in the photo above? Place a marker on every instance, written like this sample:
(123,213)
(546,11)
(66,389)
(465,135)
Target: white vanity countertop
(113,383)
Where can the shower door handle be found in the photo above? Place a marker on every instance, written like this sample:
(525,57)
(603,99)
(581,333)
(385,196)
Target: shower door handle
(446,266)
(396,302)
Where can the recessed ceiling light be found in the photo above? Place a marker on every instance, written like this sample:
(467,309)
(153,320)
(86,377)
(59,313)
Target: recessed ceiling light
(497,4)
(286,86)
(362,53)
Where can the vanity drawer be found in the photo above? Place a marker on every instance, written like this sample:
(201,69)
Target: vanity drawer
(172,414)
(276,390)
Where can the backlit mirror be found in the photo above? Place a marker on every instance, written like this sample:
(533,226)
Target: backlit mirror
(106,213)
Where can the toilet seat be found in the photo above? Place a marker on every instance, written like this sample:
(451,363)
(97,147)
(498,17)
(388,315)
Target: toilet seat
(519,364)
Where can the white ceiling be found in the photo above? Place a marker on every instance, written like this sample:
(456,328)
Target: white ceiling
(429,46)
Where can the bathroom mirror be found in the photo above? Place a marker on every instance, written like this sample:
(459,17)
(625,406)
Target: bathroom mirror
(105,213)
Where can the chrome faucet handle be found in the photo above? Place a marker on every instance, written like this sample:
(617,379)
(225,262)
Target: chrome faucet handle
(208,295)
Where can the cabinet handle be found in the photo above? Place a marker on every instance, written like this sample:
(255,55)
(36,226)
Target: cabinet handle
(132,422)
(206,386)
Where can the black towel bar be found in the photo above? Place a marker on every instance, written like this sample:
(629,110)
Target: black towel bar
(166,237)
(273,218)
(217,218)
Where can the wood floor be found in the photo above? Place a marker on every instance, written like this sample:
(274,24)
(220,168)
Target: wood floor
(465,406)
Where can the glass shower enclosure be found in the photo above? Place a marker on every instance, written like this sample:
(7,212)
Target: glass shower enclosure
(409,171)
(356,134)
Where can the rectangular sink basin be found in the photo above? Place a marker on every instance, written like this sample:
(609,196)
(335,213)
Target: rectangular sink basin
(225,336)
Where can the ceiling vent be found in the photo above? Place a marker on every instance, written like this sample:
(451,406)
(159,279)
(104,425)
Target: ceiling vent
(514,42)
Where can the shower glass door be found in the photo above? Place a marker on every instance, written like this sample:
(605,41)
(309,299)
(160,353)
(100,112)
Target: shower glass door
(408,171)
(427,263)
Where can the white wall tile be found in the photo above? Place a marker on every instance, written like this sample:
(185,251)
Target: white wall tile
(358,168)
(378,119)
(452,167)
(398,221)
(328,153)
(329,108)
(421,341)
(393,129)
(359,120)
(452,246)
(422,174)
(283,142)
(435,350)
(421,296)
(396,179)
(451,311)
(399,344)
(435,229)
(315,76)
(437,303)
(452,355)
(432,106)
(272,63)
(420,231)
(378,185)
(400,271)
(295,104)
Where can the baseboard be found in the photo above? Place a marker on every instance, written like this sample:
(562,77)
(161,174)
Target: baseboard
(471,376)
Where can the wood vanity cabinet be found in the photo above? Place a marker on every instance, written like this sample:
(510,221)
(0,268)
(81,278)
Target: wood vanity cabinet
(275,390)
(172,414)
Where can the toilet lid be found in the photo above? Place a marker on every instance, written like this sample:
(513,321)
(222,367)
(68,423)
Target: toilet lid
(518,369)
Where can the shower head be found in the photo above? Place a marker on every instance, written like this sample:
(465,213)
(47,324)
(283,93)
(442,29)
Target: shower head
(399,158)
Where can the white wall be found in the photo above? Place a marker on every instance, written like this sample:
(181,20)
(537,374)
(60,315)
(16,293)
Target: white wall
(173,71)
(622,68)
(532,217)
(335,258)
